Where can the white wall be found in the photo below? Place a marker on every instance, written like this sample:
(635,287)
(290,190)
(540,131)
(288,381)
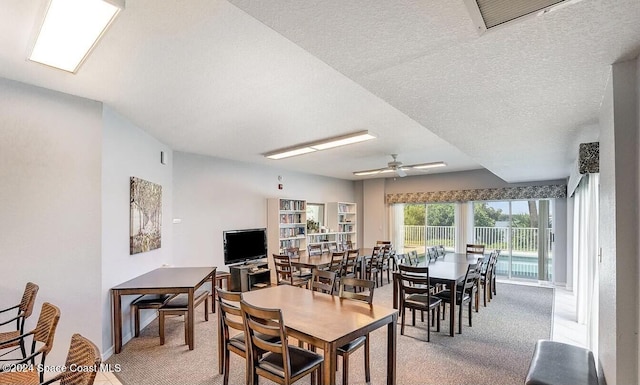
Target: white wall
(375,219)
(618,271)
(212,195)
(129,151)
(50,233)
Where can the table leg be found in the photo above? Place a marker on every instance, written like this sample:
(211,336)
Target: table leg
(213,291)
(190,318)
(452,307)
(391,351)
(329,366)
(117,321)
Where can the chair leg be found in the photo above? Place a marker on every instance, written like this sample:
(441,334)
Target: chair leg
(477,298)
(225,378)
(206,308)
(402,321)
(438,317)
(470,312)
(460,318)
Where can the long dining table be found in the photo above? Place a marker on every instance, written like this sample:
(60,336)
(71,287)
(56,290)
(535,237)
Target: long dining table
(164,280)
(328,322)
(304,260)
(449,271)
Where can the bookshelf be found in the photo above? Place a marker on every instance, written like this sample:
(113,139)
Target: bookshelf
(341,220)
(286,224)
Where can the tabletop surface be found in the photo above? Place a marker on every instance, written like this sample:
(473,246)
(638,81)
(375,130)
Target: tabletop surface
(323,316)
(167,277)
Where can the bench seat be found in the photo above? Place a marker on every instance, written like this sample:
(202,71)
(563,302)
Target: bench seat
(557,363)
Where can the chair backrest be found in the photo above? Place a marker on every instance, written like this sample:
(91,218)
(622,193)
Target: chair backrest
(413,258)
(440,250)
(331,247)
(380,243)
(349,264)
(293,251)
(282,264)
(314,249)
(363,289)
(475,249)
(337,259)
(432,254)
(414,280)
(469,278)
(323,281)
(83,354)
(347,245)
(45,329)
(28,299)
(230,313)
(265,333)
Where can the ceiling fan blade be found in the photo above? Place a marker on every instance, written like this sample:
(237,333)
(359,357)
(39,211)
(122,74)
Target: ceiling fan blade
(401,173)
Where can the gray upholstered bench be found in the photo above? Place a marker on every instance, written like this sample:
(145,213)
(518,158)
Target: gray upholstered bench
(557,363)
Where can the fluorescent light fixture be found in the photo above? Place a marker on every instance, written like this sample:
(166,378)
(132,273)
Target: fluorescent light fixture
(71,29)
(324,144)
(343,140)
(429,165)
(370,172)
(292,152)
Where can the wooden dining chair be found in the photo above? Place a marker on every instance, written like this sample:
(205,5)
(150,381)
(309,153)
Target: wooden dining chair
(415,294)
(22,311)
(270,354)
(179,306)
(475,249)
(147,301)
(314,249)
(284,271)
(323,281)
(363,291)
(464,294)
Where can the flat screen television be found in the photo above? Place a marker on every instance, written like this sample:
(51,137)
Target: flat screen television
(244,245)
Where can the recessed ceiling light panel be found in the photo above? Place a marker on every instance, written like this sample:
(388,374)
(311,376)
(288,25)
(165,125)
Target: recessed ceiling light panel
(70,30)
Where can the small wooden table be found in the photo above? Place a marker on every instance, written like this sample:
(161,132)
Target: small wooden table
(164,280)
(449,272)
(328,322)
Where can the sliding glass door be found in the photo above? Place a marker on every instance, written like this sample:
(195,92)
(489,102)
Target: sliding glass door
(428,225)
(522,231)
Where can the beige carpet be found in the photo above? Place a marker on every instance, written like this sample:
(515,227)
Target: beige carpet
(496,350)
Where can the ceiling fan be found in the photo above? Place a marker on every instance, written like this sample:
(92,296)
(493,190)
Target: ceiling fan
(399,168)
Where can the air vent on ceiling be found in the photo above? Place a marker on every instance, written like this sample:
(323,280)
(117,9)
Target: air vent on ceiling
(488,14)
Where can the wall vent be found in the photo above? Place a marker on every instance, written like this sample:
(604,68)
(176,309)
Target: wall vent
(487,14)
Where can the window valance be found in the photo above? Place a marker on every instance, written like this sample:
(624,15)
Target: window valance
(490,194)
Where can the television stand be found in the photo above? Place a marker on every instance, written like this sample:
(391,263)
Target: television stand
(248,276)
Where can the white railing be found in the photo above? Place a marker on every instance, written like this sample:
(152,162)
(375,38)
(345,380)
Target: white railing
(523,239)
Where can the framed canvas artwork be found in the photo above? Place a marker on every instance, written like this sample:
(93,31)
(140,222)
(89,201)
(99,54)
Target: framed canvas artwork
(145,221)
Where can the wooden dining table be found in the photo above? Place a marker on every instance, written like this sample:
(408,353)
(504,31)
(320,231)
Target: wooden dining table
(304,260)
(449,271)
(164,280)
(328,322)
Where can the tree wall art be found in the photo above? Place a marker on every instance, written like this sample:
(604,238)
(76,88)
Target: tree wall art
(145,221)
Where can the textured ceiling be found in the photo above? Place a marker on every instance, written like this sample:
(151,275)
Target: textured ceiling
(238,80)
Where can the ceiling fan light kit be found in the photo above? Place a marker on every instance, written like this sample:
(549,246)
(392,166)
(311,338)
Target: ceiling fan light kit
(399,169)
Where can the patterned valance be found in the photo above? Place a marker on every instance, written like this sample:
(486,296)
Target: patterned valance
(589,158)
(489,194)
